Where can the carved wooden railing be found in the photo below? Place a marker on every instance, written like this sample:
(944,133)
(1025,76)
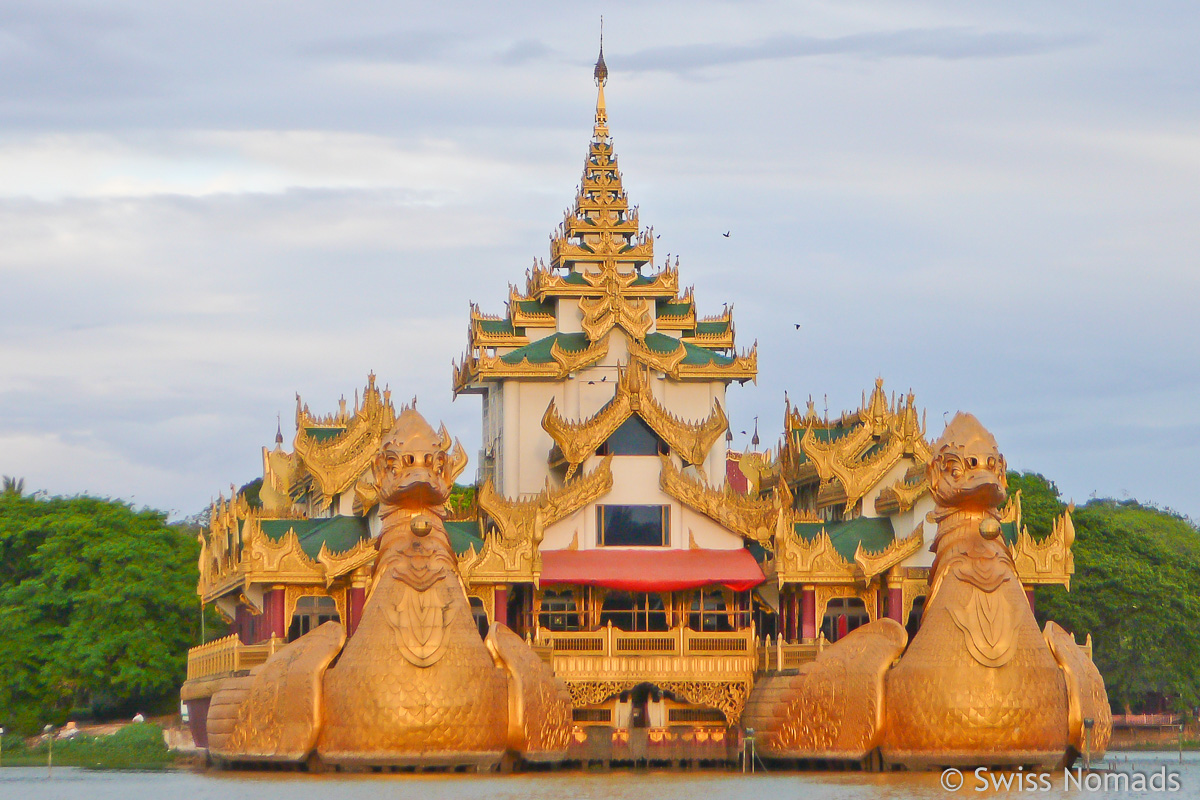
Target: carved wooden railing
(227,656)
(677,654)
(776,654)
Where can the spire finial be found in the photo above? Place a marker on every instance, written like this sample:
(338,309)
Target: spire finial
(600,131)
(278,430)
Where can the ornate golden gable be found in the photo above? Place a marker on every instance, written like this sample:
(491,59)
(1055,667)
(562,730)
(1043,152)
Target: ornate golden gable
(335,463)
(1050,560)
(510,551)
(880,436)
(579,440)
(750,518)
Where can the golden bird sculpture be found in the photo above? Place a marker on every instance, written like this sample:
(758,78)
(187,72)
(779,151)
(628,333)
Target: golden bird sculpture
(978,685)
(415,685)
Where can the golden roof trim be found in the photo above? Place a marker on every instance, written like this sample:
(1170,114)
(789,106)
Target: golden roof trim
(1050,560)
(511,550)
(579,440)
(750,518)
(873,563)
(490,367)
(337,463)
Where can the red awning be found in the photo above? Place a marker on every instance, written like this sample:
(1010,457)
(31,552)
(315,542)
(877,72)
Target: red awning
(651,570)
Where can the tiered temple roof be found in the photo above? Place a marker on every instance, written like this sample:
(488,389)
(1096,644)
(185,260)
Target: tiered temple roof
(597,257)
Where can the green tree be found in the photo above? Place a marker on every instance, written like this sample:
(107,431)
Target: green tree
(1136,570)
(97,608)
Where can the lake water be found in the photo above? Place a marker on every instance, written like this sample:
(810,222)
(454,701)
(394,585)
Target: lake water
(76,784)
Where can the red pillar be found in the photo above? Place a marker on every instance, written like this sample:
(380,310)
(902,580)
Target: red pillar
(274,625)
(501,605)
(792,616)
(358,599)
(895,604)
(1029,594)
(843,627)
(808,614)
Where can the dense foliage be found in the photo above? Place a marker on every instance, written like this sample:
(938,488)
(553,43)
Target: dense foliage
(1137,571)
(97,609)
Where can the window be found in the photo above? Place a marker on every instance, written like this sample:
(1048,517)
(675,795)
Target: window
(560,612)
(311,611)
(633,438)
(634,611)
(641,526)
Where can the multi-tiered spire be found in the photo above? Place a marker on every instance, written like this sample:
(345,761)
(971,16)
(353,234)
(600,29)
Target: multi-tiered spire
(597,258)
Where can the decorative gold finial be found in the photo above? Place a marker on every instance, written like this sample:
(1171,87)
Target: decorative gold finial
(601,73)
(600,131)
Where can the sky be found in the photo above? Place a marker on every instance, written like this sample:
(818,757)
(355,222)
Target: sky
(207,208)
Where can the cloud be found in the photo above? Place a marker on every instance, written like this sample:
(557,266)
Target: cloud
(398,47)
(939,43)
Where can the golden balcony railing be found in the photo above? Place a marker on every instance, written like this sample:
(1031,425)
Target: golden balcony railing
(227,656)
(678,654)
(776,654)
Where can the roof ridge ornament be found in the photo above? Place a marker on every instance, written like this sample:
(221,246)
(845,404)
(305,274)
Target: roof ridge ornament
(600,130)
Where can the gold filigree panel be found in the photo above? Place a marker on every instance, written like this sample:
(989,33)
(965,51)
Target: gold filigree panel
(750,518)
(1050,560)
(510,551)
(579,440)
(336,463)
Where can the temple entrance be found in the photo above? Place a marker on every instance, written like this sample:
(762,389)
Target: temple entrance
(913,624)
(641,707)
(842,615)
(479,614)
(311,611)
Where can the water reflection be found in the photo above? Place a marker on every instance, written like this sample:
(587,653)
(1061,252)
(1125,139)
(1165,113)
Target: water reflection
(74,784)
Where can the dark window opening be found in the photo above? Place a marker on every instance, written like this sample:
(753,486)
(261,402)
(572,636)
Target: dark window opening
(633,438)
(311,612)
(560,611)
(479,614)
(633,526)
(842,615)
(716,610)
(634,611)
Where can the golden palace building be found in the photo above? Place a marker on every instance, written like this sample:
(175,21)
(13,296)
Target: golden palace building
(657,573)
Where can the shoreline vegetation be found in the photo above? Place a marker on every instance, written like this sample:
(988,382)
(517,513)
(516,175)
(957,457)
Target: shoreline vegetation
(137,746)
(98,609)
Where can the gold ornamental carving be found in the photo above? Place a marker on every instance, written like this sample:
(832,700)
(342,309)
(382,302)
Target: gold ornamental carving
(869,597)
(834,707)
(510,551)
(816,560)
(562,363)
(1087,699)
(416,684)
(590,693)
(873,563)
(337,462)
(751,518)
(1049,560)
(292,595)
(579,440)
(728,697)
(875,440)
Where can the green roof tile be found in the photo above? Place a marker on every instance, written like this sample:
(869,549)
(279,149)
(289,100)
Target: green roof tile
(338,534)
(323,434)
(712,328)
(874,533)
(496,326)
(539,352)
(463,535)
(534,307)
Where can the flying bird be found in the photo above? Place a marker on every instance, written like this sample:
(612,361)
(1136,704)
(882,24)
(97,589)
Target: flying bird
(797,326)
(726,234)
